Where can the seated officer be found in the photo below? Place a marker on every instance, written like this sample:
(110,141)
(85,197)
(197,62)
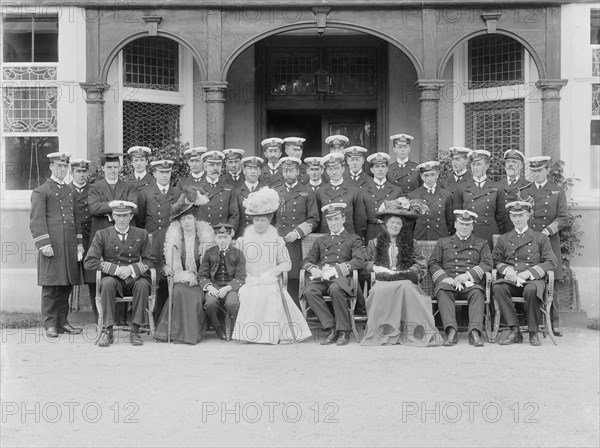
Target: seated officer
(522,257)
(337,143)
(457,266)
(222,273)
(330,263)
(124,254)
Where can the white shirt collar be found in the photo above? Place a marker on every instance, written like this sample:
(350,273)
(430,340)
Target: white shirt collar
(337,233)
(79,186)
(403,161)
(125,232)
(380,182)
(481,179)
(162,187)
(111,182)
(291,186)
(197,175)
(432,188)
(315,184)
(355,174)
(460,174)
(211,181)
(238,174)
(273,166)
(249,185)
(521,232)
(542,184)
(140,175)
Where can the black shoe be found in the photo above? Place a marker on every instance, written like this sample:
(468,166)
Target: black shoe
(451,339)
(343,338)
(68,329)
(221,334)
(514,337)
(557,332)
(534,339)
(360,310)
(331,338)
(135,339)
(475,339)
(106,338)
(51,332)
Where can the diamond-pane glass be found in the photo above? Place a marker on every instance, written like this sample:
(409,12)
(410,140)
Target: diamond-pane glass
(152,63)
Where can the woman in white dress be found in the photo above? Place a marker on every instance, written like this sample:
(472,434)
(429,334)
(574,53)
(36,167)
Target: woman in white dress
(267,313)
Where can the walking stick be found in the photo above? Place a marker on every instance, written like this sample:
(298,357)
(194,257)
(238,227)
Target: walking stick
(287,312)
(170,302)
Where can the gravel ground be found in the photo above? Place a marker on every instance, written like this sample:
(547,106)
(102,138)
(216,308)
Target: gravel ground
(68,392)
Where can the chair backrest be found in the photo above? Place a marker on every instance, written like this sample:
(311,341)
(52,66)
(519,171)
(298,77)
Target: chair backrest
(308,241)
(425,249)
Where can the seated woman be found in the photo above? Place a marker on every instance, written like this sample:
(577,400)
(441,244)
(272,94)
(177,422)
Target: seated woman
(398,313)
(185,242)
(267,313)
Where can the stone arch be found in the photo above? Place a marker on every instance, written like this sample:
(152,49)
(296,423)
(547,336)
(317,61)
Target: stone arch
(307,25)
(541,67)
(115,51)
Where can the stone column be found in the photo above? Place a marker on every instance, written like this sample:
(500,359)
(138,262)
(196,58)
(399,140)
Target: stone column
(429,97)
(94,97)
(551,116)
(214,96)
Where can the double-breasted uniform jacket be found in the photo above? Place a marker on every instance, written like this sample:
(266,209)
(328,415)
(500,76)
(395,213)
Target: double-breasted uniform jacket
(407,177)
(317,187)
(82,209)
(512,193)
(142,184)
(228,179)
(530,252)
(99,196)
(234,262)
(439,222)
(222,206)
(344,252)
(452,182)
(488,202)
(452,256)
(107,252)
(373,197)
(356,215)
(54,220)
(190,180)
(153,215)
(297,211)
(271,177)
(362,180)
(550,212)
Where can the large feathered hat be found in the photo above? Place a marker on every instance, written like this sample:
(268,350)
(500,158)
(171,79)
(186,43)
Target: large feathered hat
(261,202)
(188,202)
(403,207)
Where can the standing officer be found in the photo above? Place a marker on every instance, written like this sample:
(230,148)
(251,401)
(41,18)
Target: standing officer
(56,232)
(154,207)
(460,175)
(315,171)
(223,207)
(80,186)
(513,182)
(457,266)
(439,222)
(124,255)
(271,171)
(337,143)
(336,191)
(140,177)
(194,160)
(293,147)
(297,216)
(233,167)
(376,191)
(484,197)
(403,172)
(252,166)
(355,159)
(550,214)
(522,257)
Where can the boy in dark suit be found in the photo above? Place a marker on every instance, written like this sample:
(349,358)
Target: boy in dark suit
(222,273)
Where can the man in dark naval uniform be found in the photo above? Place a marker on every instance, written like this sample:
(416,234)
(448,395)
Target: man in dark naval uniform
(124,255)
(140,177)
(293,147)
(233,167)
(522,257)
(297,217)
(403,172)
(439,222)
(513,182)
(81,187)
(484,197)
(355,159)
(330,263)
(154,207)
(315,172)
(56,232)
(271,171)
(337,143)
(457,266)
(460,175)
(252,182)
(193,157)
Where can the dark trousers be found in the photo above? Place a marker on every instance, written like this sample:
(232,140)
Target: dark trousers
(230,303)
(55,305)
(111,287)
(446,304)
(162,295)
(314,292)
(120,310)
(503,293)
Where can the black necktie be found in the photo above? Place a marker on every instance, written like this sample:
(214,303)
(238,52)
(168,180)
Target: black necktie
(122,236)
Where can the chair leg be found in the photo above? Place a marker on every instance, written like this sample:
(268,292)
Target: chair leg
(150,322)
(354,329)
(304,307)
(488,323)
(548,322)
(100,321)
(496,322)
(228,325)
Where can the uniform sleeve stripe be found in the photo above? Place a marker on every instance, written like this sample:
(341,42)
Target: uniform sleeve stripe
(539,270)
(39,238)
(478,270)
(437,274)
(502,267)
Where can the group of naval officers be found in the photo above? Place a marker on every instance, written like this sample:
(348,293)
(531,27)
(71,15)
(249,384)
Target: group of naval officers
(66,217)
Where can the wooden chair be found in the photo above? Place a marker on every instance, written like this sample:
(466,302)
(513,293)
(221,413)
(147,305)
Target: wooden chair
(426,285)
(127,299)
(307,244)
(546,327)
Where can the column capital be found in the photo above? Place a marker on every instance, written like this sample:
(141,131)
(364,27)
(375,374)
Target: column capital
(94,91)
(551,88)
(214,91)
(430,89)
